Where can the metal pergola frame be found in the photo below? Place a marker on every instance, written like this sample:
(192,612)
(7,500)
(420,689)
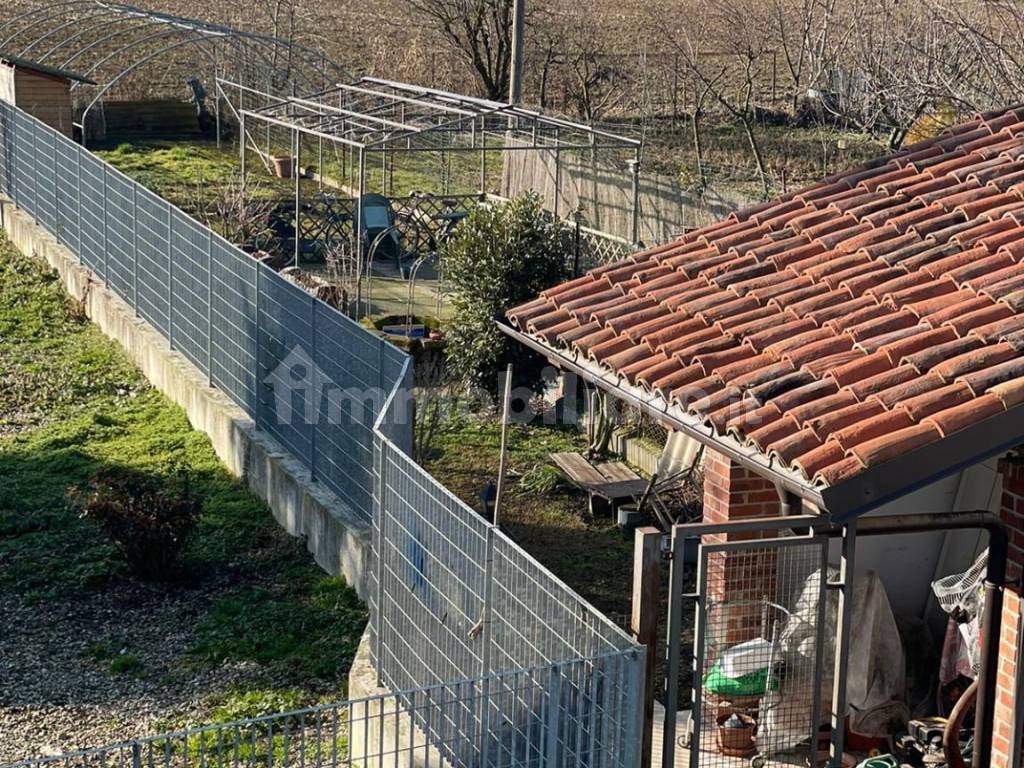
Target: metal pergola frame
(107,42)
(373,116)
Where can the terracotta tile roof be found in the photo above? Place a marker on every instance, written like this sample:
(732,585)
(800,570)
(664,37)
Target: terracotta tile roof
(837,327)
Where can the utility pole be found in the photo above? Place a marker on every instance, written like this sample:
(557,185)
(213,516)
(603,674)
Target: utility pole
(515,84)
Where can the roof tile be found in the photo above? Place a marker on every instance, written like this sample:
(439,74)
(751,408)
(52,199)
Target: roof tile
(959,416)
(888,446)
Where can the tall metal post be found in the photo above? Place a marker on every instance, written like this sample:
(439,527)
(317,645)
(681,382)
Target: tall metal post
(672,651)
(842,657)
(357,230)
(558,178)
(634,169)
(135,248)
(297,174)
(315,394)
(515,85)
(170,275)
(209,307)
(78,200)
(56,192)
(483,157)
(106,261)
(241,148)
(35,181)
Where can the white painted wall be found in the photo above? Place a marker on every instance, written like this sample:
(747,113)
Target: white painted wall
(908,564)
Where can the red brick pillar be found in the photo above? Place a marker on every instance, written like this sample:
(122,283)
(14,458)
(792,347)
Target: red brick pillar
(743,579)
(1012,510)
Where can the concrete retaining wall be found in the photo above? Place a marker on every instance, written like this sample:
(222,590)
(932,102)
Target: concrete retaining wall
(338,539)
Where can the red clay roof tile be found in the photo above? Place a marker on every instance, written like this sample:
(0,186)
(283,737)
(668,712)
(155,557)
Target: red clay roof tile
(868,429)
(959,416)
(885,447)
(899,281)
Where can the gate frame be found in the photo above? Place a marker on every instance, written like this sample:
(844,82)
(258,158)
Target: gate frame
(817,527)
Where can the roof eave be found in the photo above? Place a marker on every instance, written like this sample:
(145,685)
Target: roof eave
(664,412)
(915,469)
(850,499)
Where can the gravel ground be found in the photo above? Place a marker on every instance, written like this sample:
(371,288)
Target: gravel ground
(57,691)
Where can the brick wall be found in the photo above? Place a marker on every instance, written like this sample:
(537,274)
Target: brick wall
(743,579)
(1012,510)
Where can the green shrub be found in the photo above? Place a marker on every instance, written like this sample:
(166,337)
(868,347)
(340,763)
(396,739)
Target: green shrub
(499,257)
(125,664)
(148,519)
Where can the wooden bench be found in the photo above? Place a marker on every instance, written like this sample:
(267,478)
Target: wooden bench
(606,483)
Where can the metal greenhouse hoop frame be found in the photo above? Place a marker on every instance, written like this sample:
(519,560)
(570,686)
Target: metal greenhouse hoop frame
(111,41)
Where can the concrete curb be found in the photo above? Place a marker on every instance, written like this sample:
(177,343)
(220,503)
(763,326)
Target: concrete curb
(336,536)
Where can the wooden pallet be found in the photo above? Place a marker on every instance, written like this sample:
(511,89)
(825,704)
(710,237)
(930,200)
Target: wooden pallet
(607,482)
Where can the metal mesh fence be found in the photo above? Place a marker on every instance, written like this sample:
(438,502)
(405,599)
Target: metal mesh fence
(292,362)
(556,716)
(451,597)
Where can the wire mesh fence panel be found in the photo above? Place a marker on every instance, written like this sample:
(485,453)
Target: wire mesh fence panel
(153,259)
(284,333)
(435,725)
(119,207)
(93,217)
(536,619)
(432,568)
(68,211)
(234,366)
(758,650)
(190,288)
(44,168)
(349,369)
(26,195)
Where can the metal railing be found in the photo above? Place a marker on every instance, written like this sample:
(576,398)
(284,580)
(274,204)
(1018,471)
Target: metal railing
(535,717)
(451,597)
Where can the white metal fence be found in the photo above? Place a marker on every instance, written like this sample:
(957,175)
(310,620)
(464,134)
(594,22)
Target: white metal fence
(452,597)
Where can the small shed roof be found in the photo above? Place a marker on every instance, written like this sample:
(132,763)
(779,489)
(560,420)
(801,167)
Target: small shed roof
(43,69)
(855,339)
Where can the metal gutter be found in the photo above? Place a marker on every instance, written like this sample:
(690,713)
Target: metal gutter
(689,425)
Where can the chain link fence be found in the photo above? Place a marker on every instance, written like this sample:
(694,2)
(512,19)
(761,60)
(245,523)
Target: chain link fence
(451,597)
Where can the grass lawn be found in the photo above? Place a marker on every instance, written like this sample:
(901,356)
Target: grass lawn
(252,625)
(592,556)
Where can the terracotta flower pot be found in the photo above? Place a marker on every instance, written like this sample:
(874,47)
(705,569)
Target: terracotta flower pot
(737,741)
(282,166)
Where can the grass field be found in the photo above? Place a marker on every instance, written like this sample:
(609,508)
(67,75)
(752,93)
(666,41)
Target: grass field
(252,623)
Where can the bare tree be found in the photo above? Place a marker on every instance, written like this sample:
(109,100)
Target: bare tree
(727,60)
(598,82)
(240,214)
(480,31)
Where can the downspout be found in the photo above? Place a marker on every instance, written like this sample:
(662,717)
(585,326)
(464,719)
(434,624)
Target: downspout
(995,581)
